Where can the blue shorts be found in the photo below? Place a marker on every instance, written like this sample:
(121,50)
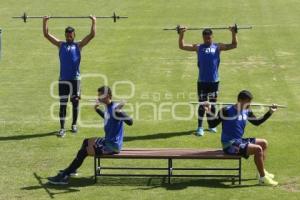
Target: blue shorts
(239,147)
(207,90)
(101,148)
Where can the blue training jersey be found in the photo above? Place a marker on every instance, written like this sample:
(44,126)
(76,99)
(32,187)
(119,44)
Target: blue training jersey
(234,124)
(208,62)
(114,128)
(69,55)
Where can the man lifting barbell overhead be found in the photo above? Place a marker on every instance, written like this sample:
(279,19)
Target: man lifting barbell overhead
(208,64)
(69,79)
(234,119)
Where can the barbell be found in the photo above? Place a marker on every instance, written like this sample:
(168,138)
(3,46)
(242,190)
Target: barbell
(236,28)
(25,17)
(228,104)
(0,43)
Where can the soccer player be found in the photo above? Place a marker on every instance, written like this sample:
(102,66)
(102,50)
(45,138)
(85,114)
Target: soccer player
(234,119)
(208,64)
(69,79)
(114,119)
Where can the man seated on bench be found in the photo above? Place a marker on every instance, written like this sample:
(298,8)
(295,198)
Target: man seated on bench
(233,119)
(114,120)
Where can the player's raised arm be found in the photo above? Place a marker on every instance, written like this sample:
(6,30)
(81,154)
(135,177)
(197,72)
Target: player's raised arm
(258,121)
(98,110)
(214,121)
(47,35)
(234,42)
(182,45)
(90,36)
(121,115)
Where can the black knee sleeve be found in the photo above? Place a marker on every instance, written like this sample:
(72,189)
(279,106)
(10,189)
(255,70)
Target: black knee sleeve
(85,143)
(62,114)
(213,107)
(75,103)
(82,153)
(201,108)
(75,99)
(77,162)
(62,110)
(201,112)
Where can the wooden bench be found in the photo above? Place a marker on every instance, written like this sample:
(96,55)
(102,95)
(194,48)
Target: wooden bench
(170,155)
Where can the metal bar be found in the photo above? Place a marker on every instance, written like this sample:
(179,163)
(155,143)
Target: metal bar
(214,27)
(133,168)
(177,158)
(95,100)
(70,17)
(240,171)
(95,169)
(25,17)
(208,175)
(225,104)
(177,169)
(0,43)
(99,166)
(170,170)
(181,175)
(136,175)
(206,169)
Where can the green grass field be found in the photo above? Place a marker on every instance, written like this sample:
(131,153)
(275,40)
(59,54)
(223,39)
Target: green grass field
(137,50)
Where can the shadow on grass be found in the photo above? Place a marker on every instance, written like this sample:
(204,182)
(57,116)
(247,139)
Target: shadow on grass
(158,136)
(177,183)
(25,136)
(155,136)
(141,183)
(60,189)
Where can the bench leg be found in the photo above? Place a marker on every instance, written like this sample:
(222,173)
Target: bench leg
(95,169)
(98,167)
(170,170)
(240,171)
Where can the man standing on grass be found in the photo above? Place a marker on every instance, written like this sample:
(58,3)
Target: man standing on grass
(234,119)
(69,79)
(208,63)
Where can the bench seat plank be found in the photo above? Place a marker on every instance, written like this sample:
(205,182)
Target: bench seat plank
(175,153)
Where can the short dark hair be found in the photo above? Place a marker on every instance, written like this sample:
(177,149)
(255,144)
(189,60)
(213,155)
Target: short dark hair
(245,95)
(105,90)
(69,29)
(207,31)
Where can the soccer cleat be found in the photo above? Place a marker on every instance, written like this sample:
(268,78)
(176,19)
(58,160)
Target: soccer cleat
(61,133)
(74,128)
(267,181)
(71,174)
(59,179)
(272,176)
(200,131)
(212,130)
